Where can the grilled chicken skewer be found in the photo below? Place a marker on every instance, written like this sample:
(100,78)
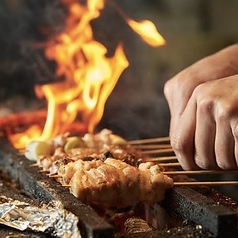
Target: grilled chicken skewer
(102,169)
(115,183)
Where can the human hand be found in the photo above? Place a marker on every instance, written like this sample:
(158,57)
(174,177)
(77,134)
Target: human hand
(204,111)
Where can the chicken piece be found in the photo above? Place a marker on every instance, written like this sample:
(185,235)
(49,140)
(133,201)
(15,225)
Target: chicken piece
(46,162)
(115,183)
(103,139)
(66,171)
(97,185)
(129,180)
(153,183)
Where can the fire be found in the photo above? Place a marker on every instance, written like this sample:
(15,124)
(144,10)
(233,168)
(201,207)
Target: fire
(89,76)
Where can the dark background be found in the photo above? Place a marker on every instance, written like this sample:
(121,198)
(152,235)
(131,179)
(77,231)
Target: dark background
(136,108)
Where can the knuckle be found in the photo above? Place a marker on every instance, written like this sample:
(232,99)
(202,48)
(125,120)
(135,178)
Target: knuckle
(225,111)
(176,83)
(205,102)
(213,105)
(205,105)
(167,88)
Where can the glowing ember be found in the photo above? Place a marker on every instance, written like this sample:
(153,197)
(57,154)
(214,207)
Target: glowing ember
(89,75)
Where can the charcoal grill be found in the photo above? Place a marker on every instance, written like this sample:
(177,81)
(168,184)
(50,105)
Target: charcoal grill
(208,212)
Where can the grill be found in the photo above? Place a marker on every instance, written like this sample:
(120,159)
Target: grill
(186,211)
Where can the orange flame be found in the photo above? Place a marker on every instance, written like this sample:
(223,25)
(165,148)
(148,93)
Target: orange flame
(147,31)
(89,75)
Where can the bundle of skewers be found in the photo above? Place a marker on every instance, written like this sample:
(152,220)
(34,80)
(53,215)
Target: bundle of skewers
(160,151)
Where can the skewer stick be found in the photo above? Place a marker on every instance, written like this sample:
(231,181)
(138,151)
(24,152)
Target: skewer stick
(150,140)
(21,151)
(159,151)
(55,176)
(154,146)
(200,172)
(160,159)
(211,183)
(44,171)
(66,185)
(34,165)
(170,164)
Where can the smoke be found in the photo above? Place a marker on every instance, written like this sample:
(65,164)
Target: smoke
(25,25)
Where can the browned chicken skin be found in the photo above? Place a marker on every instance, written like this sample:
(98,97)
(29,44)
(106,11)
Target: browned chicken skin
(115,183)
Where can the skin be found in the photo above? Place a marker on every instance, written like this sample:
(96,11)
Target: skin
(203,102)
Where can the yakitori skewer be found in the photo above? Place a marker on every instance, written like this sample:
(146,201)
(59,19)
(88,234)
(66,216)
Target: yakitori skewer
(192,183)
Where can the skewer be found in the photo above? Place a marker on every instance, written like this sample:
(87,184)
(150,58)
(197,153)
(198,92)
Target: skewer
(21,151)
(44,171)
(154,146)
(55,176)
(200,172)
(66,185)
(150,140)
(34,165)
(160,159)
(170,164)
(158,151)
(211,183)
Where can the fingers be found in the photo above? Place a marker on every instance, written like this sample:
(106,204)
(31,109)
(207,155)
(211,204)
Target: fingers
(182,137)
(214,140)
(179,89)
(234,128)
(225,145)
(205,135)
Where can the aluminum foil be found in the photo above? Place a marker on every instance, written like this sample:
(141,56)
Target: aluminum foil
(50,218)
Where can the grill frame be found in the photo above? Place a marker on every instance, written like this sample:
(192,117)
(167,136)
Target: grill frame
(217,218)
